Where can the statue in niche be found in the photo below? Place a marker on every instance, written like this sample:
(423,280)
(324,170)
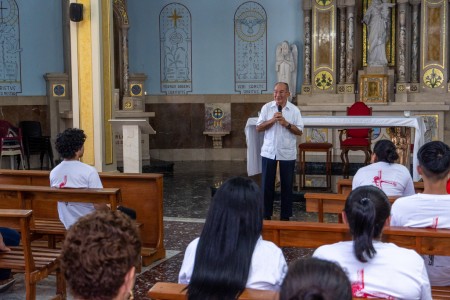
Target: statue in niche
(378,23)
(286,66)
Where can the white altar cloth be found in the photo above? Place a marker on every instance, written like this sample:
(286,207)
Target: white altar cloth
(255,139)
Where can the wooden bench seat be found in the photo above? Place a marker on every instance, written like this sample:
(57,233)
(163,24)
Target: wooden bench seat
(322,203)
(36,263)
(176,291)
(426,241)
(141,192)
(43,201)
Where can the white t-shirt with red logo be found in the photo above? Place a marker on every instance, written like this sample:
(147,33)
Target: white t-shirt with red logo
(393,273)
(394,179)
(426,210)
(74,174)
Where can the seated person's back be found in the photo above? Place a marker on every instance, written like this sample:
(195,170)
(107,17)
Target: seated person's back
(393,178)
(376,269)
(430,208)
(72,173)
(230,254)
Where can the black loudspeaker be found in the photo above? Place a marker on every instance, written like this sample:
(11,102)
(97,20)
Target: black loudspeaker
(76,12)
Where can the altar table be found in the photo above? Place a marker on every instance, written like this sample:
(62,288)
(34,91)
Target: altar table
(255,139)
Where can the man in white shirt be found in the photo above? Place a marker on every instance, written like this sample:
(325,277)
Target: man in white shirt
(281,122)
(430,208)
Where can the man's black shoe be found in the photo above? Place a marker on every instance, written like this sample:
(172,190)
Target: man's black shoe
(284,219)
(267,218)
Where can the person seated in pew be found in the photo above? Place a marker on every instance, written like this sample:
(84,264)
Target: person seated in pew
(376,269)
(393,178)
(230,254)
(431,208)
(314,278)
(99,256)
(72,173)
(8,237)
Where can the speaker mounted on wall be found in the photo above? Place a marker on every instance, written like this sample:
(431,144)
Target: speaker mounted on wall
(76,12)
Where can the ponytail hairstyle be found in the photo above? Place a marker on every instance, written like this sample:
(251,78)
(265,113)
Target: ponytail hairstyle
(434,159)
(225,248)
(315,279)
(385,151)
(367,209)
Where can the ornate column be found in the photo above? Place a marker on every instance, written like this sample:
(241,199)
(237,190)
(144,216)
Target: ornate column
(306,87)
(401,66)
(342,48)
(124,45)
(350,53)
(401,84)
(414,87)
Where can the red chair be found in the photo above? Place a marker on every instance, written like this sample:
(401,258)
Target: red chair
(355,139)
(11,143)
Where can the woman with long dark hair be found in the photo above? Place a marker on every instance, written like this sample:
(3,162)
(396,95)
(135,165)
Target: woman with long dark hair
(230,254)
(383,172)
(376,269)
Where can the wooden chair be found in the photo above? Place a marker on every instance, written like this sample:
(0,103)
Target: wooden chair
(36,263)
(355,139)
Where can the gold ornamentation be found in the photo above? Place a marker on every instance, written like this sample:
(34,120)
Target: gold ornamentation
(433,78)
(374,88)
(323,2)
(323,80)
(120,8)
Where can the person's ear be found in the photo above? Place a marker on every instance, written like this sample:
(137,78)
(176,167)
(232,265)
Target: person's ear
(387,223)
(419,170)
(128,282)
(344,217)
(373,158)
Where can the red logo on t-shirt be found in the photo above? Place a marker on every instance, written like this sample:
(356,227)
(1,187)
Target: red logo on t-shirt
(379,181)
(63,184)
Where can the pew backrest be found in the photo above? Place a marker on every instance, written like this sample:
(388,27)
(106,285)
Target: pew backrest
(177,291)
(312,235)
(322,203)
(141,192)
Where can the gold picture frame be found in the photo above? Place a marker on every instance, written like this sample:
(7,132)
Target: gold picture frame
(374,88)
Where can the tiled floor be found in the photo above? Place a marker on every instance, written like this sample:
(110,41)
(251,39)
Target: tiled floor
(187,193)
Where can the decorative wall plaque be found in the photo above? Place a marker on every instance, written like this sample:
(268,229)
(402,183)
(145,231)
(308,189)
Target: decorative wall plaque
(374,88)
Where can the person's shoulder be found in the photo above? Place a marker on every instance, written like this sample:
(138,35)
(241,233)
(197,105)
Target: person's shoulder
(267,245)
(397,251)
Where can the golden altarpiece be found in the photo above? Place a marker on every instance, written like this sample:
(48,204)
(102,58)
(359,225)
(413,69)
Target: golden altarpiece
(415,81)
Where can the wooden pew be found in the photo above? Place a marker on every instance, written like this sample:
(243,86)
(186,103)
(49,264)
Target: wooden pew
(312,235)
(43,201)
(36,263)
(344,186)
(322,203)
(176,291)
(141,192)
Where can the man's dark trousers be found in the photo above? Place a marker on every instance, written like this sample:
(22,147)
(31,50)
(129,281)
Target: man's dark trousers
(269,168)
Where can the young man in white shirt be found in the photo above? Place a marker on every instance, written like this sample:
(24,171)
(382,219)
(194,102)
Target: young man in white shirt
(72,173)
(430,208)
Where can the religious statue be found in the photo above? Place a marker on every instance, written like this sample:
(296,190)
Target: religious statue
(378,23)
(400,141)
(286,66)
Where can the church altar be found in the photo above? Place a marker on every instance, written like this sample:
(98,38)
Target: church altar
(255,139)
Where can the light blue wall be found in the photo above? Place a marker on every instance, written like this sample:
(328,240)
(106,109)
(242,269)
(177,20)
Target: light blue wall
(212,40)
(41,42)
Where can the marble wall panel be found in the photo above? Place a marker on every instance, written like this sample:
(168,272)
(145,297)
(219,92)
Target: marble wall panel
(181,125)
